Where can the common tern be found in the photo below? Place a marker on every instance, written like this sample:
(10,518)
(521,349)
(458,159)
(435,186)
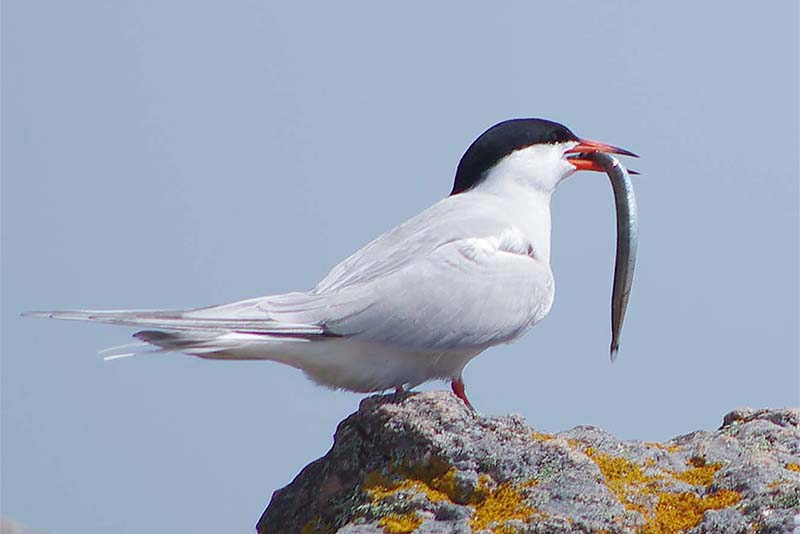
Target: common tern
(421,300)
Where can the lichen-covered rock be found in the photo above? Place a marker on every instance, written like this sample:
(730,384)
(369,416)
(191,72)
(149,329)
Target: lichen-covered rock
(424,463)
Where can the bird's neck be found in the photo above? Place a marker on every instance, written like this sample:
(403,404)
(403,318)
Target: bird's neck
(525,181)
(528,208)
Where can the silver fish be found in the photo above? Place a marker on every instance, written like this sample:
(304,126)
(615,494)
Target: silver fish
(627,239)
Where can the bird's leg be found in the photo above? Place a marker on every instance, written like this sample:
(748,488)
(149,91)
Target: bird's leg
(398,390)
(459,390)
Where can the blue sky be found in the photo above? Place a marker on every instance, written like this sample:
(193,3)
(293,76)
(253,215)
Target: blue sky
(177,154)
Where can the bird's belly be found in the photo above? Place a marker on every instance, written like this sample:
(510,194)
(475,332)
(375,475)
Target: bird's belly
(362,366)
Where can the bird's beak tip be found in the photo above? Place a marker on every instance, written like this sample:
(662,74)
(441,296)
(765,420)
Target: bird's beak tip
(587,146)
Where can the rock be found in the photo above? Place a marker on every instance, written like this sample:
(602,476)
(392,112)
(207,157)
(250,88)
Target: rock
(424,463)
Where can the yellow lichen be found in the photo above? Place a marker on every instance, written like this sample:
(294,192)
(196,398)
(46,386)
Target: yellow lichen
(541,436)
(664,511)
(493,505)
(701,474)
(624,478)
(676,512)
(400,523)
(379,487)
(793,467)
(499,505)
(435,479)
(440,479)
(663,447)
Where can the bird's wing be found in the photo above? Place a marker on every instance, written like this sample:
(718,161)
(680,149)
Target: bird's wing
(457,276)
(453,277)
(297,313)
(186,320)
(452,218)
(466,294)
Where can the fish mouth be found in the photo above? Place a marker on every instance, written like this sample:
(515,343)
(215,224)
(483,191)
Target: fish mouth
(582,160)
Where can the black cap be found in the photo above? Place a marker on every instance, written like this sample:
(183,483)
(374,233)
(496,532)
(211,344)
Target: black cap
(501,140)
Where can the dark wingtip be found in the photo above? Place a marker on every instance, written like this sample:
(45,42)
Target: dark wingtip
(614,351)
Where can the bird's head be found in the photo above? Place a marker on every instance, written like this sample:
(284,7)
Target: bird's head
(534,152)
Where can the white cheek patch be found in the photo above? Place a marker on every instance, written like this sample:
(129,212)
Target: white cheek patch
(540,167)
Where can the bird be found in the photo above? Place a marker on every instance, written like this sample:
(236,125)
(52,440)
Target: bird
(421,300)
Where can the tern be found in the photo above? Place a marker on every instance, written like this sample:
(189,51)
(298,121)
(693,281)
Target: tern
(418,302)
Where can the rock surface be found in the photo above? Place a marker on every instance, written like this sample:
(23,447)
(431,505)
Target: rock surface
(424,463)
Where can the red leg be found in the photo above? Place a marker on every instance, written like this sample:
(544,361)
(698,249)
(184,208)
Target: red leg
(398,390)
(459,390)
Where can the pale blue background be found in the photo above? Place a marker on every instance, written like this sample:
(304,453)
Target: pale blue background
(162,154)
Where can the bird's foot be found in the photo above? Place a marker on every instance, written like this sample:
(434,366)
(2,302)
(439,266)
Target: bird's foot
(460,391)
(399,390)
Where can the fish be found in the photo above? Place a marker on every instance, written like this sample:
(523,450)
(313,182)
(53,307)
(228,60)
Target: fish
(627,242)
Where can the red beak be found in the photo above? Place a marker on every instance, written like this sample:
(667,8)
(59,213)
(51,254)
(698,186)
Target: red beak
(587,146)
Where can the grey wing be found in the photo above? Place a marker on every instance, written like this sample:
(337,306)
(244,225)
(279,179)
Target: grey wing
(457,276)
(241,316)
(341,294)
(454,277)
(452,218)
(466,294)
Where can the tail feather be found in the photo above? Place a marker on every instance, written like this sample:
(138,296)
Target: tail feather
(127,350)
(241,331)
(188,342)
(215,345)
(203,344)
